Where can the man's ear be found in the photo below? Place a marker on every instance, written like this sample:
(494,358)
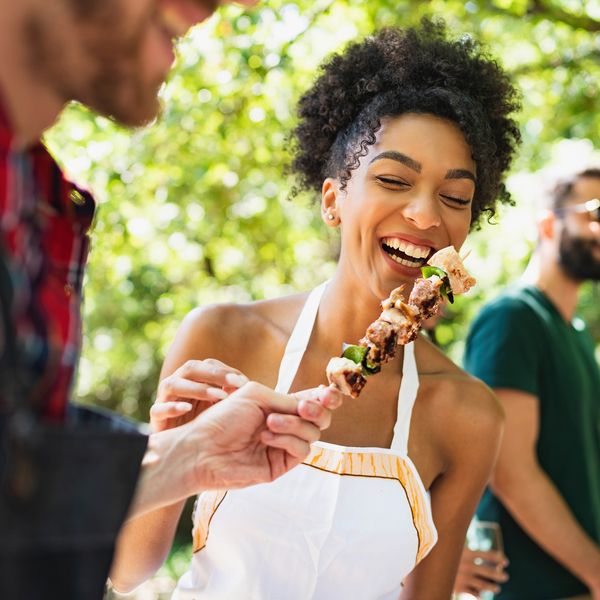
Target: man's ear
(329,202)
(547,225)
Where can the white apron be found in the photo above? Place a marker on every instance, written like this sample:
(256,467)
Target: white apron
(348,524)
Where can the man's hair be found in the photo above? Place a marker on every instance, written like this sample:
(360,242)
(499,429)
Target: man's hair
(561,191)
(398,71)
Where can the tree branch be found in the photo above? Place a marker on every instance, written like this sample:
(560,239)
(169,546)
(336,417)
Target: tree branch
(545,10)
(561,61)
(540,10)
(313,17)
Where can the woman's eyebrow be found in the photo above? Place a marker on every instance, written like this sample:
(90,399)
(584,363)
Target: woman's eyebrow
(398,156)
(411,163)
(460,174)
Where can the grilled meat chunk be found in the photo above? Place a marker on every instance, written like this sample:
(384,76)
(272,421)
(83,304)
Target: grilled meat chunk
(394,299)
(425,297)
(408,332)
(400,321)
(345,375)
(449,260)
(380,338)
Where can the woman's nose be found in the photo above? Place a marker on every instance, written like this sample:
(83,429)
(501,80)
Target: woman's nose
(423,212)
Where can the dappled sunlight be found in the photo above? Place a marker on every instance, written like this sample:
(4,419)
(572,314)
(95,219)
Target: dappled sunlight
(196,208)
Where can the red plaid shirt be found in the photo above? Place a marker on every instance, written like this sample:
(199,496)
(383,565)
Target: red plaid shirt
(44,223)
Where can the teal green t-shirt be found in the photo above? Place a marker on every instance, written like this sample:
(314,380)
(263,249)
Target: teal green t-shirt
(520,341)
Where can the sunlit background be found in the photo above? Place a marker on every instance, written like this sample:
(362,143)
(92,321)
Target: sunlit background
(196,208)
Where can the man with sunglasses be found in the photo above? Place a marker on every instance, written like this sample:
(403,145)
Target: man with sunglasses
(529,346)
(67,474)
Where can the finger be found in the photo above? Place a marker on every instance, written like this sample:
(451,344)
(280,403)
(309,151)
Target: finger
(177,387)
(294,446)
(267,399)
(211,371)
(280,461)
(293,425)
(469,555)
(168,410)
(314,412)
(473,592)
(229,389)
(329,397)
(493,556)
(492,573)
(482,585)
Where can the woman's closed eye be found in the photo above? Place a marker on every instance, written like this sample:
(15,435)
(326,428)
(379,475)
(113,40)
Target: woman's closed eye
(392,182)
(395,183)
(456,200)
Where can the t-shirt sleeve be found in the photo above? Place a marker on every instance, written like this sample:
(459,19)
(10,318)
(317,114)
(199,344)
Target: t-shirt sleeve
(504,348)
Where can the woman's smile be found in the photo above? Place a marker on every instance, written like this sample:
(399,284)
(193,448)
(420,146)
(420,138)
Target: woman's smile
(402,266)
(406,253)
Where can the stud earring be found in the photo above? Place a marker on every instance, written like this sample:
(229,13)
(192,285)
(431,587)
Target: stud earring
(330,216)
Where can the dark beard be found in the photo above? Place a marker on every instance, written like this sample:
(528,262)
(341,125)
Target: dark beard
(138,107)
(577,259)
(113,87)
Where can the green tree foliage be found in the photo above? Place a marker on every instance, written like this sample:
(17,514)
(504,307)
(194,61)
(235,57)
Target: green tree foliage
(195,208)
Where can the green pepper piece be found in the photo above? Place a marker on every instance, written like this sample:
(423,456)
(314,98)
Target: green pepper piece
(371,368)
(429,270)
(355,353)
(446,289)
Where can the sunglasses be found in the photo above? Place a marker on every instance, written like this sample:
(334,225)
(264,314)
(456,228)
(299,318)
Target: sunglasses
(591,207)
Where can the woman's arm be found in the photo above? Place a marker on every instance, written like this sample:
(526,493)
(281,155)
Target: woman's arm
(469,434)
(254,436)
(186,381)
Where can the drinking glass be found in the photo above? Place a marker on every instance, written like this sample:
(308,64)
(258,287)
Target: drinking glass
(485,536)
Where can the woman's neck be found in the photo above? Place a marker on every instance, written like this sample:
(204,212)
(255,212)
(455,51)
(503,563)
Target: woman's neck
(348,307)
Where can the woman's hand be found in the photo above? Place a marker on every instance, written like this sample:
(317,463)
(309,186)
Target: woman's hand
(192,388)
(480,571)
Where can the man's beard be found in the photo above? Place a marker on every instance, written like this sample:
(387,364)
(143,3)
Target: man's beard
(576,257)
(121,94)
(111,83)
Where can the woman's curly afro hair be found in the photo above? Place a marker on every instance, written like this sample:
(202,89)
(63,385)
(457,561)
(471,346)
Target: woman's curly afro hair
(399,71)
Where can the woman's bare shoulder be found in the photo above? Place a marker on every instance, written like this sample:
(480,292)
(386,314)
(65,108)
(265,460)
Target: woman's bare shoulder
(225,330)
(281,312)
(457,399)
(432,361)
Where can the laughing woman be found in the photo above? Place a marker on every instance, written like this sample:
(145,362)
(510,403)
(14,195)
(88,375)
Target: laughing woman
(406,137)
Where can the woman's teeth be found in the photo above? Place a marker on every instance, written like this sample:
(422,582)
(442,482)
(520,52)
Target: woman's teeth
(406,263)
(405,253)
(406,248)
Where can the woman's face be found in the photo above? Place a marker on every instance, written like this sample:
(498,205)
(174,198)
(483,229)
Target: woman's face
(410,196)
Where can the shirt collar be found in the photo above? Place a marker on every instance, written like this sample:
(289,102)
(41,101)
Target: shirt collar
(56,190)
